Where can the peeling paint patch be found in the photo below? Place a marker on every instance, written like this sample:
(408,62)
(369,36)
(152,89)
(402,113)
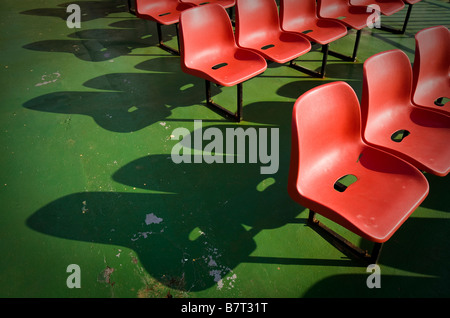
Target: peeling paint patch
(138,235)
(216,270)
(84,209)
(217,278)
(163,123)
(229,283)
(211,261)
(152,218)
(50,78)
(105,276)
(218,275)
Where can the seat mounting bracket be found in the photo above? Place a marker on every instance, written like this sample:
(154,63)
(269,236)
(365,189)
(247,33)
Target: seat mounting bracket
(237,116)
(405,23)
(164,46)
(343,244)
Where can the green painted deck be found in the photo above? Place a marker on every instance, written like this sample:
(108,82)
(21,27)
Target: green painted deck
(86,178)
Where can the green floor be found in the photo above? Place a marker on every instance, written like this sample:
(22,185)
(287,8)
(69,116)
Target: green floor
(87,178)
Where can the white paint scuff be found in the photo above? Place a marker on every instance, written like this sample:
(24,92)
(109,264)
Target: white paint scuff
(152,218)
(47,79)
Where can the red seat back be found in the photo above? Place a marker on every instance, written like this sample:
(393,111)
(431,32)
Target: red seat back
(205,33)
(329,7)
(255,19)
(431,63)
(324,121)
(432,54)
(387,83)
(224,3)
(297,13)
(158,7)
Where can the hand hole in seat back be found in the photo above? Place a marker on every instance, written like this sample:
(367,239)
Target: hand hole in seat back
(344,182)
(265,47)
(441,101)
(399,135)
(217,66)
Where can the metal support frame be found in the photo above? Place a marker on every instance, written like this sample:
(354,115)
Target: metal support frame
(237,116)
(163,45)
(355,50)
(405,23)
(343,244)
(231,15)
(325,52)
(320,74)
(130,9)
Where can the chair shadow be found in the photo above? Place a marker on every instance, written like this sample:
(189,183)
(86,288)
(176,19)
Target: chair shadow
(336,71)
(129,101)
(272,113)
(180,228)
(438,198)
(391,286)
(420,246)
(185,225)
(98,45)
(132,101)
(90,10)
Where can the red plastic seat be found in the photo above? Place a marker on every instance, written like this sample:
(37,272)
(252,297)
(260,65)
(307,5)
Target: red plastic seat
(227,4)
(209,51)
(393,123)
(410,4)
(224,3)
(163,12)
(300,16)
(326,146)
(355,17)
(431,69)
(387,7)
(258,28)
(352,16)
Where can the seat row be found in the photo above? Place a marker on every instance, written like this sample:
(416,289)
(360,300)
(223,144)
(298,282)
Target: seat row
(297,14)
(359,164)
(260,31)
